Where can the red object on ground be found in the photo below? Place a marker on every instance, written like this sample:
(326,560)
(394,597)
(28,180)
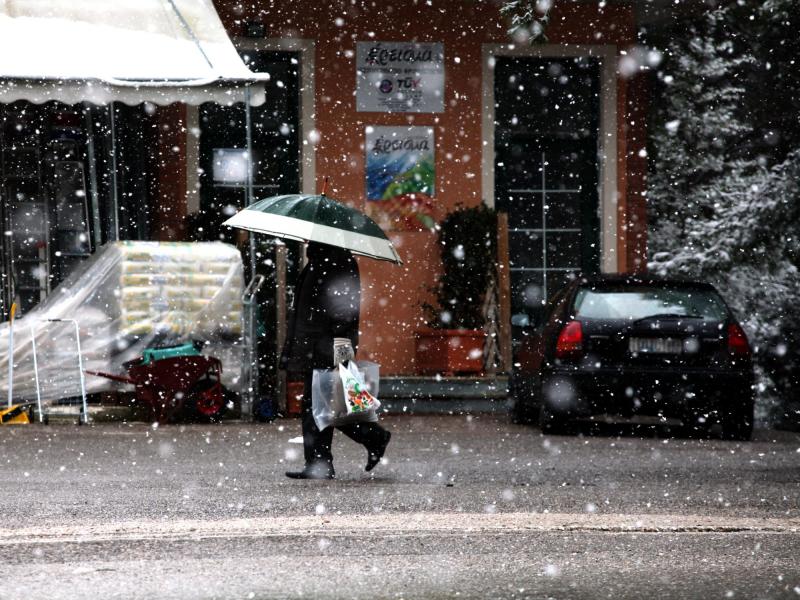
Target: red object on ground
(294,398)
(170,386)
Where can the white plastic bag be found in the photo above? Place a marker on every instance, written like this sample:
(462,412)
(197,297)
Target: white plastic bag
(328,405)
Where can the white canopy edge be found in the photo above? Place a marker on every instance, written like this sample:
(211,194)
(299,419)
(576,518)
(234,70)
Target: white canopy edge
(129,51)
(225,92)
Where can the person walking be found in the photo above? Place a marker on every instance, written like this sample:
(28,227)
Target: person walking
(327,306)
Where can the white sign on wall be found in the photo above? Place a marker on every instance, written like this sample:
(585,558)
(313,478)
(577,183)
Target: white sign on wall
(399,77)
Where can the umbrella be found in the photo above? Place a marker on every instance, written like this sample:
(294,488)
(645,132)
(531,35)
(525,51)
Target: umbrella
(320,219)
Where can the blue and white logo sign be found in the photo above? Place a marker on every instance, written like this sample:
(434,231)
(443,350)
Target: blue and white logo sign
(399,77)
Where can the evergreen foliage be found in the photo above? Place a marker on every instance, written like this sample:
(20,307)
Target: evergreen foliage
(529,18)
(724,191)
(468,247)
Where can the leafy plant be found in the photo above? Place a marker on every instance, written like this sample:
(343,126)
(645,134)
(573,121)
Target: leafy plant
(468,247)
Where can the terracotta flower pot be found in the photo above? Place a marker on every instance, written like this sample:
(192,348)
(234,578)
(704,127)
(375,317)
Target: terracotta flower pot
(449,351)
(294,398)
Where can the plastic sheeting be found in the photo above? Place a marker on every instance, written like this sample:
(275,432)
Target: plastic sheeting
(129,296)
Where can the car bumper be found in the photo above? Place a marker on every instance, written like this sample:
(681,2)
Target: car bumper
(631,392)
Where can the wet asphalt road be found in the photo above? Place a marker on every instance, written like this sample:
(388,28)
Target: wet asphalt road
(469,507)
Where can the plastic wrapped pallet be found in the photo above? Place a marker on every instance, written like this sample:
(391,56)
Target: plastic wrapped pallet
(130,296)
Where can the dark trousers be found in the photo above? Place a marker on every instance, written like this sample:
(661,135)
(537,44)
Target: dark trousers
(317,444)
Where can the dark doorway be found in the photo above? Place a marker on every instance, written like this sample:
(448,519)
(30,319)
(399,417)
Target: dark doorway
(275,167)
(275,143)
(546,173)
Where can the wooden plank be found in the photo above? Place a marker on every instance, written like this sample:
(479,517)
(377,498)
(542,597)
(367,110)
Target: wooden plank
(504,290)
(281,319)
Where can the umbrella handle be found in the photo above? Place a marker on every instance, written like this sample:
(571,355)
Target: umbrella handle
(324,185)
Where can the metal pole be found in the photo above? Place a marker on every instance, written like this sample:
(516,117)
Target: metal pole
(11,354)
(253,364)
(249,191)
(97,227)
(114,197)
(36,374)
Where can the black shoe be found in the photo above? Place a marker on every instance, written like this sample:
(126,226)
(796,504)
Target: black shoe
(313,472)
(376,454)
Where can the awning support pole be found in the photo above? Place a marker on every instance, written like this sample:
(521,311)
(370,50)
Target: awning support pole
(96,225)
(114,229)
(251,236)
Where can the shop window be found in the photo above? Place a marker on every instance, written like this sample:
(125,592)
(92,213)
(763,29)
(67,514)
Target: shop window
(58,198)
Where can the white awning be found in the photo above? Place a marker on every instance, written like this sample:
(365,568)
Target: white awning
(130,51)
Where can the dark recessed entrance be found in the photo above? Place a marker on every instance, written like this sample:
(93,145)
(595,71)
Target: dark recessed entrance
(546,173)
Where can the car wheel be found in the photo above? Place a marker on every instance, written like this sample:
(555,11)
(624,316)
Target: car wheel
(737,424)
(553,422)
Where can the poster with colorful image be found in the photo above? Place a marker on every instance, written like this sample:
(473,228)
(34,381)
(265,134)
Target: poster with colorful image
(401,177)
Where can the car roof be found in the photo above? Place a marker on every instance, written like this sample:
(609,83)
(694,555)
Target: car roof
(645,280)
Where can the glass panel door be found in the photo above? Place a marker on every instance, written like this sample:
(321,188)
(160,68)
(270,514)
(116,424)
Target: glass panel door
(546,171)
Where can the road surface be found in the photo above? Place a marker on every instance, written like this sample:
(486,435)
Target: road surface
(465,506)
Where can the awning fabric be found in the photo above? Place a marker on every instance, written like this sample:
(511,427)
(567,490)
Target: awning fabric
(130,51)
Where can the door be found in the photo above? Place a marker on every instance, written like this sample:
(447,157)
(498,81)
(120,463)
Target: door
(546,174)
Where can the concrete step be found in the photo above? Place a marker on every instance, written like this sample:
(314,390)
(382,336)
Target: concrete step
(444,395)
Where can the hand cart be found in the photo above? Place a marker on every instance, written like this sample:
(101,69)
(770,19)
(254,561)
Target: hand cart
(250,384)
(178,381)
(175,382)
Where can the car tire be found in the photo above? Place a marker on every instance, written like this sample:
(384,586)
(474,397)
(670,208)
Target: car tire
(554,423)
(737,425)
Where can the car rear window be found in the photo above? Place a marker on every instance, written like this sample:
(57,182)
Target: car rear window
(644,302)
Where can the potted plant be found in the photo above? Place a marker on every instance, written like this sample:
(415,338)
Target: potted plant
(454,338)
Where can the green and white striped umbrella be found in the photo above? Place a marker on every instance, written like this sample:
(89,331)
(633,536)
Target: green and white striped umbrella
(320,219)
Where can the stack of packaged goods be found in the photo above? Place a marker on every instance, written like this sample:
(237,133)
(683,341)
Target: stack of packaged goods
(128,297)
(180,289)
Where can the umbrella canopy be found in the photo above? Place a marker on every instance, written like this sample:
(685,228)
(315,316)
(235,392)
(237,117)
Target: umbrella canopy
(320,219)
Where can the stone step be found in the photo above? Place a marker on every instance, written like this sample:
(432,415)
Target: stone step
(444,388)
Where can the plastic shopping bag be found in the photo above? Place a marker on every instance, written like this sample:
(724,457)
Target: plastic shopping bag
(328,405)
(357,398)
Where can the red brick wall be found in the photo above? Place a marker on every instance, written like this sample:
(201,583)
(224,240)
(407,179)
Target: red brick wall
(392,294)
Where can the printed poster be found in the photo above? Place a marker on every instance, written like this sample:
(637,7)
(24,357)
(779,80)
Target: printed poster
(401,177)
(399,77)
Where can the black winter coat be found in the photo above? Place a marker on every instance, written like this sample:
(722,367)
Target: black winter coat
(327,304)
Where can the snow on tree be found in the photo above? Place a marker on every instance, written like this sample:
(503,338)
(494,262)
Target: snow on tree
(529,18)
(723,203)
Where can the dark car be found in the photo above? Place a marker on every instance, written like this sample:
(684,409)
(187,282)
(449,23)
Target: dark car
(616,347)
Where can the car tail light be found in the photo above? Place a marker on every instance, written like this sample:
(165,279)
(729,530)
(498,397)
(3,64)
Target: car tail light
(570,341)
(737,341)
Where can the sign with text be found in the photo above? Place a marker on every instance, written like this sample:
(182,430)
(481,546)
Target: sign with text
(401,176)
(399,77)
